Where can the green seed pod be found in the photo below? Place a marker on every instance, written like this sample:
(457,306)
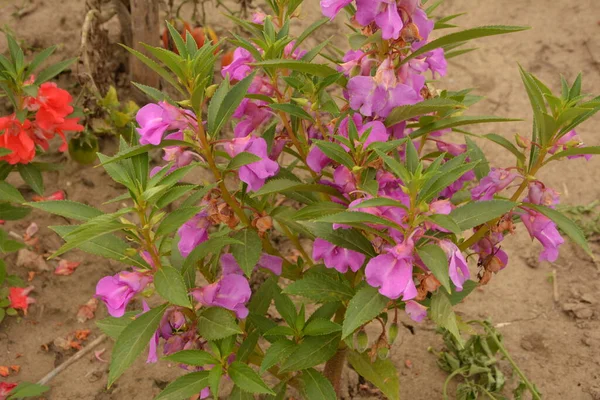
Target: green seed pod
(362,340)
(210,91)
(393,333)
(383,353)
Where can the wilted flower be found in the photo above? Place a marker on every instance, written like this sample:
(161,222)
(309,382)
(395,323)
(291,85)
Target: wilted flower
(19,298)
(416,311)
(542,195)
(497,180)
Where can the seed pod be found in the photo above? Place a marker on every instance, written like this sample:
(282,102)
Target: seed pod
(383,353)
(393,333)
(362,340)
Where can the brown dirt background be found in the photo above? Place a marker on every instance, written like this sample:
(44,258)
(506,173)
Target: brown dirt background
(558,350)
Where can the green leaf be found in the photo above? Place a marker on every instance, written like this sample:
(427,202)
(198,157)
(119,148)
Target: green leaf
(316,210)
(213,245)
(53,70)
(358,217)
(68,209)
(175,219)
(321,70)
(379,202)
(574,151)
(279,331)
(247,379)
(446,222)
(113,327)
(468,287)
(442,314)
(336,153)
(381,373)
(244,158)
(435,259)
(321,289)
(231,101)
(434,186)
(315,386)
(346,238)
(309,31)
(217,323)
(153,65)
(26,389)
(170,285)
(40,58)
(278,352)
(287,185)
(404,113)
(248,251)
(366,304)
(133,340)
(482,168)
(196,358)
(177,40)
(153,93)
(9,212)
(473,214)
(565,224)
(320,327)
(108,246)
(463,36)
(292,109)
(285,307)
(247,347)
(185,387)
(239,394)
(214,379)
(5,152)
(313,350)
(502,141)
(32,176)
(453,122)
(10,193)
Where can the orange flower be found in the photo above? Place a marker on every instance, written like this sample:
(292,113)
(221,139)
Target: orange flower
(19,299)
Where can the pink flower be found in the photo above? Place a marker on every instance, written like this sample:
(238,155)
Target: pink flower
(542,195)
(438,207)
(336,257)
(231,292)
(256,173)
(384,13)
(497,180)
(156,119)
(153,344)
(355,63)
(415,311)
(118,290)
(229,264)
(239,67)
(253,114)
(543,229)
(258,17)
(569,141)
(457,265)
(317,160)
(392,271)
(380,94)
(331,8)
(193,232)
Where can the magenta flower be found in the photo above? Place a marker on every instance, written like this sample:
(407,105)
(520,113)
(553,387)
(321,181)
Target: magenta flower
(118,290)
(373,132)
(337,257)
(355,62)
(229,264)
(569,141)
(457,265)
(156,119)
(231,292)
(258,17)
(153,344)
(317,160)
(253,114)
(296,54)
(193,232)
(542,195)
(178,156)
(239,67)
(438,207)
(416,311)
(391,272)
(497,180)
(256,173)
(543,229)
(385,15)
(380,94)
(331,8)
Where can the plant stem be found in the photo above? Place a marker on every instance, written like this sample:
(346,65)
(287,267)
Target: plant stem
(334,368)
(534,393)
(449,378)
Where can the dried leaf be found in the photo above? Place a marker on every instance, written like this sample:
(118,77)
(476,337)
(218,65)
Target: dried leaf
(66,267)
(88,310)
(30,260)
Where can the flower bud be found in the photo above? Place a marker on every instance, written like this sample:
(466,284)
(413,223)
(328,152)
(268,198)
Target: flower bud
(210,91)
(521,141)
(130,252)
(393,333)
(362,340)
(300,101)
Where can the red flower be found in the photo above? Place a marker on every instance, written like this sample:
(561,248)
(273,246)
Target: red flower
(16,136)
(6,388)
(52,104)
(19,299)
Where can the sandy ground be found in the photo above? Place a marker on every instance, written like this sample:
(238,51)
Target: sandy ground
(558,350)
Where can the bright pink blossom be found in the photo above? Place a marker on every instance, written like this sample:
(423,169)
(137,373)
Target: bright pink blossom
(337,257)
(457,265)
(155,120)
(543,229)
(193,232)
(331,8)
(497,180)
(118,290)
(391,272)
(416,311)
(231,292)
(254,174)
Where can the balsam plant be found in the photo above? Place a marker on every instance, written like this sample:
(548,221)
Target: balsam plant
(347,158)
